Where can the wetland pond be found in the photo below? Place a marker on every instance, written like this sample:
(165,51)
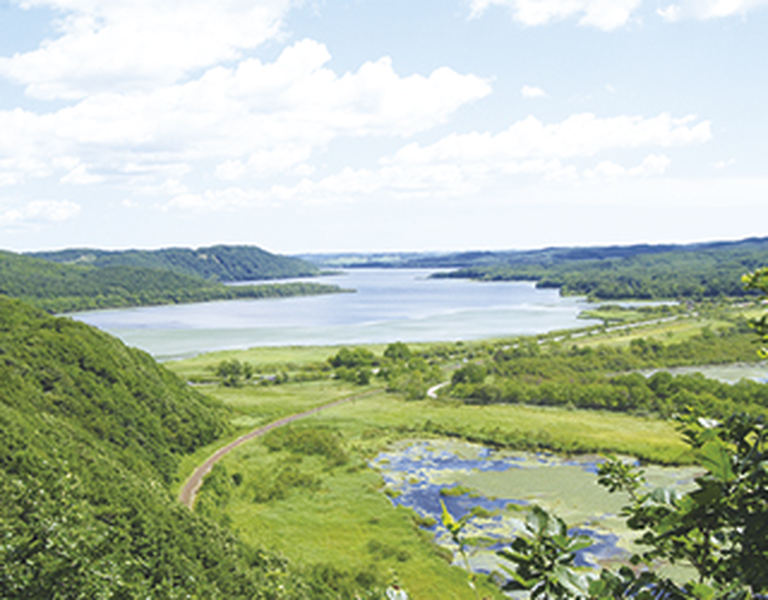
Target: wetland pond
(418,474)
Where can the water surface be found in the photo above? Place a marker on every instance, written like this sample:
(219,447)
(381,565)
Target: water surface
(389,305)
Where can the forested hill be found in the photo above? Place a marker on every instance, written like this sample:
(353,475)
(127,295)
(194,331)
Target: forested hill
(695,271)
(62,287)
(90,435)
(223,263)
(543,257)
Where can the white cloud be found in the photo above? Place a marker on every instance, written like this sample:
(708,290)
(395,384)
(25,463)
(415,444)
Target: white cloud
(609,15)
(137,44)
(287,159)
(462,166)
(709,9)
(15,170)
(80,175)
(38,211)
(266,117)
(602,14)
(531,91)
(724,164)
(652,165)
(216,200)
(580,135)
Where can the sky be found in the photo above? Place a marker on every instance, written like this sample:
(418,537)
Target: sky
(362,125)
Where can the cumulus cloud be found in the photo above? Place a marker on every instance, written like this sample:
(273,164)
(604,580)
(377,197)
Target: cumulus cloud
(37,212)
(708,9)
(287,159)
(609,15)
(653,164)
(724,164)
(252,117)
(136,44)
(461,166)
(531,91)
(579,135)
(216,200)
(602,14)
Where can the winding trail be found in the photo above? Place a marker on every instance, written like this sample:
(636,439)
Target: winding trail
(432,392)
(188,493)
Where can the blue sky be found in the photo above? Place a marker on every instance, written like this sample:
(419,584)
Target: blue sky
(365,125)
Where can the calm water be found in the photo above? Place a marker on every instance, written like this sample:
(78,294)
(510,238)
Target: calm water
(388,305)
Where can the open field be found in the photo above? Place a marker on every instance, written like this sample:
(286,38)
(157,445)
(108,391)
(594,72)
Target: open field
(340,511)
(274,495)
(268,359)
(253,406)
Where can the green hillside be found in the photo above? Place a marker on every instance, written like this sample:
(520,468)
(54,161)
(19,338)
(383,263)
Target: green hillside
(62,287)
(90,435)
(223,263)
(645,272)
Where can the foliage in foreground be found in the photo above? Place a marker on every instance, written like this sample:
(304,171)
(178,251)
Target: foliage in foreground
(719,528)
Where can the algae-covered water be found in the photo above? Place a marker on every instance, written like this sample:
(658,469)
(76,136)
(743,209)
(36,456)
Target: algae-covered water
(421,474)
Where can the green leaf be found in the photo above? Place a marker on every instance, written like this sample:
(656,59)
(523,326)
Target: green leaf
(569,579)
(448,521)
(701,591)
(714,457)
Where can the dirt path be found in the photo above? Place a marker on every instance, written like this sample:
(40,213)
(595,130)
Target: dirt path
(432,392)
(188,493)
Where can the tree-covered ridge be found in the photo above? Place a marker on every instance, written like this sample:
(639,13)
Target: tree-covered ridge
(64,288)
(223,263)
(61,368)
(90,434)
(698,271)
(538,257)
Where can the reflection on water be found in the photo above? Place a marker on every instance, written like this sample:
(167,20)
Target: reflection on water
(390,304)
(421,474)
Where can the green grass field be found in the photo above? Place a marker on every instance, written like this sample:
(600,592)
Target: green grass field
(339,513)
(345,520)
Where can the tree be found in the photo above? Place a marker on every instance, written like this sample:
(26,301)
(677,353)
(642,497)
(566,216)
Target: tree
(758,280)
(397,352)
(232,371)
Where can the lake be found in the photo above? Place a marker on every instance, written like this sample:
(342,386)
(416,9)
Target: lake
(389,305)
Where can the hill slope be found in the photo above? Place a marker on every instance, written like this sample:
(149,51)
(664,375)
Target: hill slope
(223,263)
(90,432)
(644,272)
(64,287)
(543,257)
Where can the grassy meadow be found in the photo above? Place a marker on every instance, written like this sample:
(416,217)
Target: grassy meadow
(323,505)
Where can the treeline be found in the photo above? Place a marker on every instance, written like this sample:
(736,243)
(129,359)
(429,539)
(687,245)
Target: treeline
(698,272)
(222,263)
(602,377)
(64,288)
(90,436)
(402,369)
